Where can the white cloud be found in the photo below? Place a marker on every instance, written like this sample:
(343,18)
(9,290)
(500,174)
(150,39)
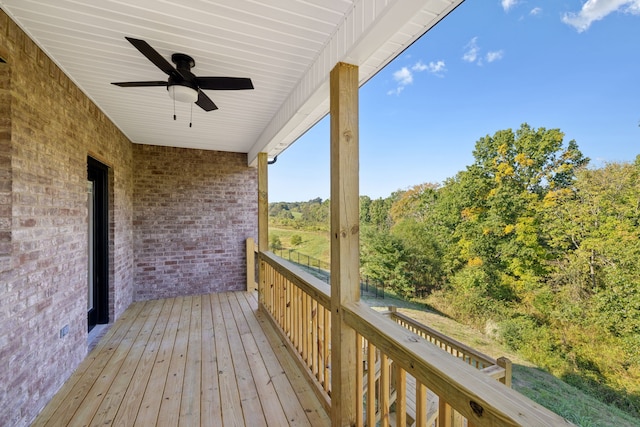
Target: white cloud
(404,76)
(419,66)
(471,50)
(508,4)
(396,91)
(494,55)
(472,53)
(595,10)
(536,11)
(437,67)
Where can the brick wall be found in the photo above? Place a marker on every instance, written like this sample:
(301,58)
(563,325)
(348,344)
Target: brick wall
(47,130)
(5,166)
(177,225)
(193,211)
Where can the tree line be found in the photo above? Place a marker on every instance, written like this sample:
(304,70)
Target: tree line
(528,244)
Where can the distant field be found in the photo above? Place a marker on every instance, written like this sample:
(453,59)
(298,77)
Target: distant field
(314,243)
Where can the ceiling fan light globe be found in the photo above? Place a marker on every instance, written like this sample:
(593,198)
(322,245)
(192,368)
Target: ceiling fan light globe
(183,93)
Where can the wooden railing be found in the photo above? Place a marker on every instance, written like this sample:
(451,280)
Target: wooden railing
(401,377)
(420,383)
(299,305)
(499,369)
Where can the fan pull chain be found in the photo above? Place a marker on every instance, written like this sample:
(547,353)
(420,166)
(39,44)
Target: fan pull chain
(174,108)
(191,116)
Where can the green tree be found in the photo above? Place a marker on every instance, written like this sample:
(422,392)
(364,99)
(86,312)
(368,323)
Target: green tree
(315,213)
(274,242)
(422,256)
(365,216)
(411,213)
(414,203)
(296,239)
(383,260)
(500,224)
(380,212)
(594,231)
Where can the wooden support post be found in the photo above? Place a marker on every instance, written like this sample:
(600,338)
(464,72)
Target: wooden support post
(345,239)
(251,264)
(263,219)
(508,369)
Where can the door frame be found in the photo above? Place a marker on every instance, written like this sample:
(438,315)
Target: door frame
(99,174)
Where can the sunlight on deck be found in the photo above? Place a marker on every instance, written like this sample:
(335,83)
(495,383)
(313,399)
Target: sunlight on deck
(209,360)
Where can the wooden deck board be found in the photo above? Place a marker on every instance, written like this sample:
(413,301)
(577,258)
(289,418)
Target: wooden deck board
(294,412)
(108,409)
(205,360)
(210,399)
(133,398)
(311,405)
(190,405)
(152,398)
(172,396)
(273,412)
(65,403)
(229,394)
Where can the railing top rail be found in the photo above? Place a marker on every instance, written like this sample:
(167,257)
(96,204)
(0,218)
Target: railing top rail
(479,398)
(310,284)
(452,342)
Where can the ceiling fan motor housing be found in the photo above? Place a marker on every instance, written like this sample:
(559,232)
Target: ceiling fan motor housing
(182,61)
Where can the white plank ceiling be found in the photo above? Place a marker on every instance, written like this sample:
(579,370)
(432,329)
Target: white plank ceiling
(287,48)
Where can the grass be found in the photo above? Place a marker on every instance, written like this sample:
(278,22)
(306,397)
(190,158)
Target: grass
(314,243)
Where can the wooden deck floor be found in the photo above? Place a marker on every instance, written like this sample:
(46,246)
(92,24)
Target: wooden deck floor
(210,360)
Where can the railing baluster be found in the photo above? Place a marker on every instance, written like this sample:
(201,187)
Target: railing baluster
(290,311)
(321,344)
(384,390)
(281,289)
(309,332)
(401,395)
(444,413)
(314,341)
(327,350)
(276,297)
(359,380)
(305,327)
(296,318)
(371,385)
(421,404)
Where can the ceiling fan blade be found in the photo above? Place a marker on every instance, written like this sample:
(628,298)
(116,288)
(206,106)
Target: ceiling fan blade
(224,83)
(140,84)
(153,56)
(205,102)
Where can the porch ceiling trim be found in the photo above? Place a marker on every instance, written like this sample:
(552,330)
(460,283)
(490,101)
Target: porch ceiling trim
(287,48)
(371,35)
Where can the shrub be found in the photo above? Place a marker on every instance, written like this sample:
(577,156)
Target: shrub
(275,243)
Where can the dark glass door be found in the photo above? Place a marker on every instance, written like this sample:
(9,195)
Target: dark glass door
(98,237)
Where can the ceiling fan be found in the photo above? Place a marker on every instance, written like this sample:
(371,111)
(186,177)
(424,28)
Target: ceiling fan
(182,84)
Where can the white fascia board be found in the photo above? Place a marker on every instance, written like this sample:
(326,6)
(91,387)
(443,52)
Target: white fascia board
(368,28)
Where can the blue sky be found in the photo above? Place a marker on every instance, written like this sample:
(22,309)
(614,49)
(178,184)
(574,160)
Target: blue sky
(490,65)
